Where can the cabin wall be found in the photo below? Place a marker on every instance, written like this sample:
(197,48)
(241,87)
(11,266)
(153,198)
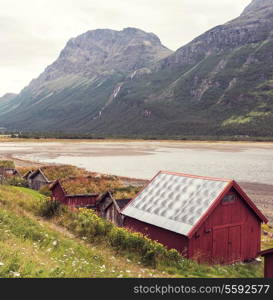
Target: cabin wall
(268,266)
(37,182)
(2,174)
(232,232)
(113,215)
(168,238)
(58,194)
(81,201)
(102,206)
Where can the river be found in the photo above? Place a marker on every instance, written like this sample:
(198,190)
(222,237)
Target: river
(246,162)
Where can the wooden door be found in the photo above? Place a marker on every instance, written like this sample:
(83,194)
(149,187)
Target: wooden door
(227,244)
(220,242)
(234,243)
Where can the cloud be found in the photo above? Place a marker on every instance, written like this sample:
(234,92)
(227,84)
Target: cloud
(33,32)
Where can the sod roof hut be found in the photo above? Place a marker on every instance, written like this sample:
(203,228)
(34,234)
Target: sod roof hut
(7,169)
(83,191)
(48,174)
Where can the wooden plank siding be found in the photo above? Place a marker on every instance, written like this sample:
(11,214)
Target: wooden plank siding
(81,200)
(217,237)
(171,240)
(59,194)
(268,262)
(231,232)
(268,271)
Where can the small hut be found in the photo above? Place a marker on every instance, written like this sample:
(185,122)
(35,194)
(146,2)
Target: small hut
(110,208)
(7,170)
(46,175)
(37,179)
(268,262)
(60,194)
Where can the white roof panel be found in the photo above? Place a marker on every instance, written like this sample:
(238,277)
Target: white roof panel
(175,201)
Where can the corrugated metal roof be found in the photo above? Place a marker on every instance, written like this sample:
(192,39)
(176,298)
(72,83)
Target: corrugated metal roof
(175,201)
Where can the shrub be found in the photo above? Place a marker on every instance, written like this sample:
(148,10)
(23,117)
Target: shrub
(45,190)
(16,181)
(50,208)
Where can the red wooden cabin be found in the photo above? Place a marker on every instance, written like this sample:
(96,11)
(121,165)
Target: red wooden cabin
(268,262)
(207,219)
(82,200)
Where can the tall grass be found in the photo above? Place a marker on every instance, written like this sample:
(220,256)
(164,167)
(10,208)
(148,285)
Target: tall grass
(31,247)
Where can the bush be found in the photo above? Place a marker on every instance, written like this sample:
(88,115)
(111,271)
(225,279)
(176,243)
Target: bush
(16,181)
(45,190)
(50,208)
(151,253)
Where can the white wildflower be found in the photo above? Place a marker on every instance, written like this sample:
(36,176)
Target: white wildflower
(15,274)
(1,264)
(55,243)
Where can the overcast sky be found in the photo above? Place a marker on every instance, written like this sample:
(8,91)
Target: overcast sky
(33,32)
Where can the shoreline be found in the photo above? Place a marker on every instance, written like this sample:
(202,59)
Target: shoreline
(120,140)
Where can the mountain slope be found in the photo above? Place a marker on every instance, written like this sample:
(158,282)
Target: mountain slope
(221,83)
(7,97)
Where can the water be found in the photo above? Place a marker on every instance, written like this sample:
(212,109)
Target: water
(247,162)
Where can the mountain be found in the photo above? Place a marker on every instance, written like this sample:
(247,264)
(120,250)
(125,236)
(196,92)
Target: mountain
(84,80)
(6,102)
(7,97)
(221,83)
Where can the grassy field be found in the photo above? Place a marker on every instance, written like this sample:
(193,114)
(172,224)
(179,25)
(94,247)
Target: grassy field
(78,245)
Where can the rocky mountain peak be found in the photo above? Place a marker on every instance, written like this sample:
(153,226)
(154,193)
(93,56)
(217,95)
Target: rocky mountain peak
(253,25)
(101,52)
(258,5)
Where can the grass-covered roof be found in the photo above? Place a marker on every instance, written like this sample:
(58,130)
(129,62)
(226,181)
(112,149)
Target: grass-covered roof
(64,171)
(91,184)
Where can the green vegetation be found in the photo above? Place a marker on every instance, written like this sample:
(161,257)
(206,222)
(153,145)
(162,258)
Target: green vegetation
(64,171)
(31,247)
(20,209)
(7,164)
(250,117)
(126,192)
(97,184)
(16,181)
(91,184)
